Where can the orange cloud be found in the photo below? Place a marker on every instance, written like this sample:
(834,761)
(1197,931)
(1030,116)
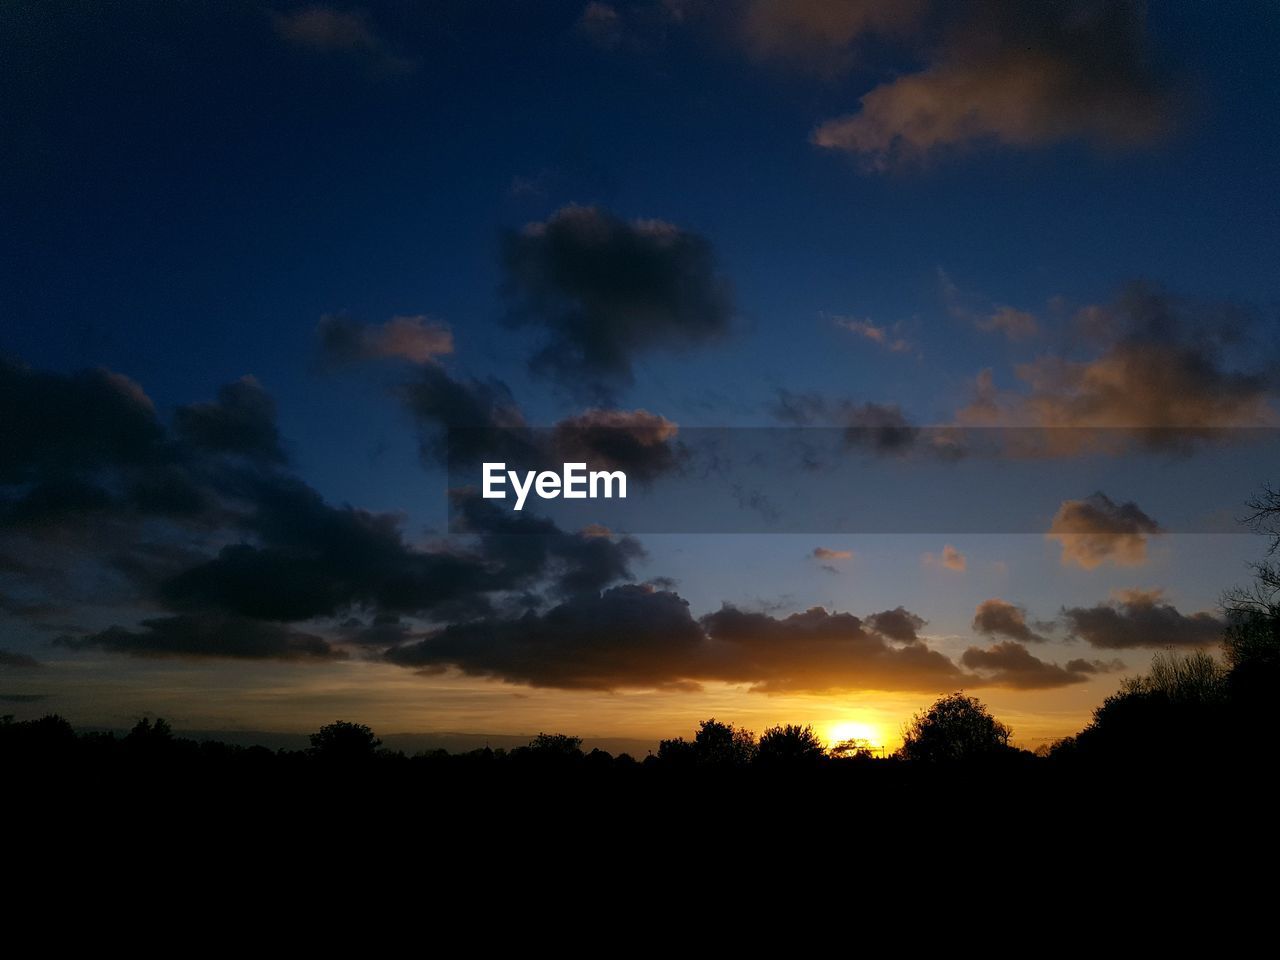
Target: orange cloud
(1021,75)
(949,559)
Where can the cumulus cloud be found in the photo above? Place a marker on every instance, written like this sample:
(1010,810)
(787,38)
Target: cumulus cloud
(898,624)
(629,635)
(881,336)
(602,291)
(241,421)
(1142,618)
(1010,664)
(1099,530)
(1020,75)
(640,636)
(996,617)
(417,339)
(819,650)
(208,635)
(949,559)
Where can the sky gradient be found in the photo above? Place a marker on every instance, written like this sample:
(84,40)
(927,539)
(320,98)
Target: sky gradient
(257,259)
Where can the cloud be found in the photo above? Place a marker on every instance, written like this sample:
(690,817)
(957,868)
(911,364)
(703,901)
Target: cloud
(255,544)
(17,661)
(464,421)
(1097,530)
(898,624)
(1138,618)
(208,635)
(603,291)
(817,34)
(638,636)
(61,424)
(877,335)
(949,559)
(1020,75)
(817,650)
(242,421)
(1012,324)
(882,427)
(825,553)
(640,443)
(326,30)
(996,617)
(627,636)
(416,339)
(1168,371)
(1010,664)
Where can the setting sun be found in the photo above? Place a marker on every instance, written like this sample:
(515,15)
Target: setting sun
(854,730)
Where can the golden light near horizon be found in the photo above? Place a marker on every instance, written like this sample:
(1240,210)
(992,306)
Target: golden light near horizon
(855,730)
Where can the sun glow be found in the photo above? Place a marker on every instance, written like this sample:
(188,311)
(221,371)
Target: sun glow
(855,730)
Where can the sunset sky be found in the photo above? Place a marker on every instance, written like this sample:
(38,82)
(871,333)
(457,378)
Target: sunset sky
(926,333)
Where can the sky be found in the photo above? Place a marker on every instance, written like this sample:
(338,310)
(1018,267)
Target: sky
(938,343)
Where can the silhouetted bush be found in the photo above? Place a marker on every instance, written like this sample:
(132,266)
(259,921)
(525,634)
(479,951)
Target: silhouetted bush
(956,728)
(344,742)
(791,745)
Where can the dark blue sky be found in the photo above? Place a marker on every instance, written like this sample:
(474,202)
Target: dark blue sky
(186,190)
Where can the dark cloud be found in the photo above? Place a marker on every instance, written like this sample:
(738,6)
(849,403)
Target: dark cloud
(416,339)
(627,636)
(817,650)
(207,522)
(1024,75)
(1141,618)
(603,291)
(883,428)
(996,617)
(898,624)
(17,661)
(524,548)
(641,444)
(1097,530)
(1010,664)
(312,559)
(466,421)
(1094,666)
(639,636)
(383,631)
(242,421)
(57,425)
(208,635)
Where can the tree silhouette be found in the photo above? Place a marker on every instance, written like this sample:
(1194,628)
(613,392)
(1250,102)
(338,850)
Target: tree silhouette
(719,744)
(344,742)
(957,727)
(790,745)
(556,745)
